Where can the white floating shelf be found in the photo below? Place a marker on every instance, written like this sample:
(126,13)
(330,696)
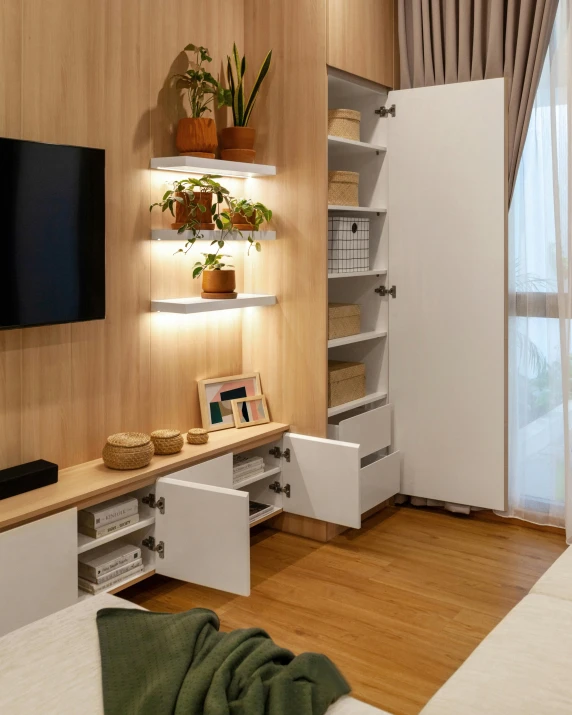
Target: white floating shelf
(338,146)
(373,397)
(86,543)
(199,165)
(204,305)
(356,209)
(169,234)
(357,274)
(256,478)
(359,338)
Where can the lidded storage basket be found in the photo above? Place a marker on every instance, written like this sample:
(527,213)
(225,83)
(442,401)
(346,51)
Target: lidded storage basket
(343,319)
(348,244)
(128,450)
(343,188)
(344,123)
(346,382)
(167,441)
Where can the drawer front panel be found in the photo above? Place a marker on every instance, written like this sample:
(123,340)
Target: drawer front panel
(379,481)
(371,430)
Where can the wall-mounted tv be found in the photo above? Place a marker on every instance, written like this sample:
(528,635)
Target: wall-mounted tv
(52,242)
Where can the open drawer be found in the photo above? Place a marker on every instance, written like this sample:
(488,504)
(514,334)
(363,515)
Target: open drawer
(379,481)
(370,429)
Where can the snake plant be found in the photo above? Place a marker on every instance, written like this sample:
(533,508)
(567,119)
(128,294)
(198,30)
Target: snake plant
(241,109)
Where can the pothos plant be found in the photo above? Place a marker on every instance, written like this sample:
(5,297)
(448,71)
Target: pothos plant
(255,212)
(201,86)
(211,261)
(235,96)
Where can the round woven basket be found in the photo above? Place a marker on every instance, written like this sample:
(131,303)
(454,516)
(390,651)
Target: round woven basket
(343,188)
(344,123)
(197,436)
(128,450)
(167,441)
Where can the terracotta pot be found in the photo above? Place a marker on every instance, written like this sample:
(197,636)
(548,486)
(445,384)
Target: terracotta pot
(185,212)
(197,137)
(219,284)
(244,223)
(237,144)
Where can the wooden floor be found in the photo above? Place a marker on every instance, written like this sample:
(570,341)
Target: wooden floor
(398,605)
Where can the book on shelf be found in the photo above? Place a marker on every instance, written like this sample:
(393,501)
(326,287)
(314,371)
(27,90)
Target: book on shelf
(257,510)
(108,512)
(119,571)
(95,588)
(241,462)
(108,528)
(104,559)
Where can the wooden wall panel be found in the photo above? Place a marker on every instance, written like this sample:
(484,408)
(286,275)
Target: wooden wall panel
(287,343)
(361,38)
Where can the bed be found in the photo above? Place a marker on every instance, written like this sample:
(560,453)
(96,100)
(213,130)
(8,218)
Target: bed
(52,666)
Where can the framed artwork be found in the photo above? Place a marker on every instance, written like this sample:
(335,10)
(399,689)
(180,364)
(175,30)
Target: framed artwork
(248,411)
(216,396)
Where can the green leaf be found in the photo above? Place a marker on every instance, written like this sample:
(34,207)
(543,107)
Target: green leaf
(197,271)
(254,94)
(218,223)
(258,247)
(221,244)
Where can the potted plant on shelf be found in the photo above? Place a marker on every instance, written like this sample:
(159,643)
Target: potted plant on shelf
(196,135)
(247,215)
(237,142)
(219,278)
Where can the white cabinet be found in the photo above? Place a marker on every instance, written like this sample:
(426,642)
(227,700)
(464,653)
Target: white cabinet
(38,569)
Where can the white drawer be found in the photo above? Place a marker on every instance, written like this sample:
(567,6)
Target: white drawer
(371,430)
(215,472)
(379,481)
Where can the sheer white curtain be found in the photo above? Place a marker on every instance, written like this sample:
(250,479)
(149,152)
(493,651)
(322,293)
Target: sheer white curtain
(540,480)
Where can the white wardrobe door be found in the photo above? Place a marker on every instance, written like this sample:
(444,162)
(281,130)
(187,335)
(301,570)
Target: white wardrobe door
(38,569)
(447,226)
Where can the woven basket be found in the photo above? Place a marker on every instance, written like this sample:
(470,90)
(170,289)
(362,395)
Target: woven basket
(343,188)
(344,123)
(346,382)
(128,450)
(197,436)
(343,320)
(167,441)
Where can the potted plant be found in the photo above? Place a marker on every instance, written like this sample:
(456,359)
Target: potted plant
(196,135)
(219,278)
(247,215)
(237,142)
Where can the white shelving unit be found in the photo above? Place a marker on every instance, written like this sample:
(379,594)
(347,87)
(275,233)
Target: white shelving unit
(342,210)
(186,306)
(359,338)
(199,165)
(169,234)
(362,402)
(257,478)
(358,274)
(339,146)
(86,543)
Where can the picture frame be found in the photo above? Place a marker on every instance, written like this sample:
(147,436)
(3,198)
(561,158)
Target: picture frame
(250,411)
(216,395)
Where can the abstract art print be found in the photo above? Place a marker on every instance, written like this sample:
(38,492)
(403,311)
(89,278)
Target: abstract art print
(250,411)
(216,396)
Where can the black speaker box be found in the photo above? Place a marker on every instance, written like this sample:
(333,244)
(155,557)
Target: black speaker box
(25,477)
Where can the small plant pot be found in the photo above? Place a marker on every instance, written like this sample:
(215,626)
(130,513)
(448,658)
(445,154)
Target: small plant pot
(219,284)
(244,223)
(197,137)
(237,144)
(186,212)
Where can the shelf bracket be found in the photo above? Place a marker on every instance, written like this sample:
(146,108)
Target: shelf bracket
(277,453)
(151,544)
(386,111)
(279,489)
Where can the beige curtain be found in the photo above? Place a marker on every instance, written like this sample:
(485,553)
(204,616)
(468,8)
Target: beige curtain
(445,41)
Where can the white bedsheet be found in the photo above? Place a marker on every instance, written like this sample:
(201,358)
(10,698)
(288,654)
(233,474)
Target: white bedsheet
(52,666)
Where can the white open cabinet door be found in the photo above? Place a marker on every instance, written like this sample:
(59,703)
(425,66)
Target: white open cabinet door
(324,479)
(447,257)
(206,535)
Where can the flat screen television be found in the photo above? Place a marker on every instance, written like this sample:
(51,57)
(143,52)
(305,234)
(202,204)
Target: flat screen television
(52,242)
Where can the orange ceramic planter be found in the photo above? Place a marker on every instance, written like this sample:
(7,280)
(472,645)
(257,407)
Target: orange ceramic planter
(185,212)
(197,137)
(237,144)
(219,284)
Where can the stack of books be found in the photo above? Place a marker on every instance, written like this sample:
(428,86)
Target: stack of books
(244,467)
(258,510)
(107,566)
(103,519)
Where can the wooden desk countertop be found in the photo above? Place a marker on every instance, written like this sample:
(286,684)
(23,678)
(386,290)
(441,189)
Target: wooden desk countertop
(92,482)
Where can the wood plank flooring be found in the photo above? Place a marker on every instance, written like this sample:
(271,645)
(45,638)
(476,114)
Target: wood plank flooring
(397,605)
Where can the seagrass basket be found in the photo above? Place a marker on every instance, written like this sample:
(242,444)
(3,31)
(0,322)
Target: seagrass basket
(343,188)
(128,450)
(343,319)
(196,435)
(344,123)
(346,382)
(167,441)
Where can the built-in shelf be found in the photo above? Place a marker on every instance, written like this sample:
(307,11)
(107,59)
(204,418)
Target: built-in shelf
(169,234)
(199,165)
(356,209)
(373,397)
(338,146)
(277,510)
(357,274)
(256,478)
(186,306)
(86,543)
(129,581)
(359,338)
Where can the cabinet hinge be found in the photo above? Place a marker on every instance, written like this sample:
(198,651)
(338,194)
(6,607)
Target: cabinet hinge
(386,111)
(150,501)
(150,543)
(383,291)
(279,489)
(277,453)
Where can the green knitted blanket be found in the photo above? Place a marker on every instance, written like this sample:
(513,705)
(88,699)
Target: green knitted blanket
(180,664)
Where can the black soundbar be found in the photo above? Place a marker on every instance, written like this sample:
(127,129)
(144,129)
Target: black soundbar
(25,477)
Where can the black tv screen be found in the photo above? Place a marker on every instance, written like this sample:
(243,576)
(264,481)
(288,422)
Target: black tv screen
(52,242)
